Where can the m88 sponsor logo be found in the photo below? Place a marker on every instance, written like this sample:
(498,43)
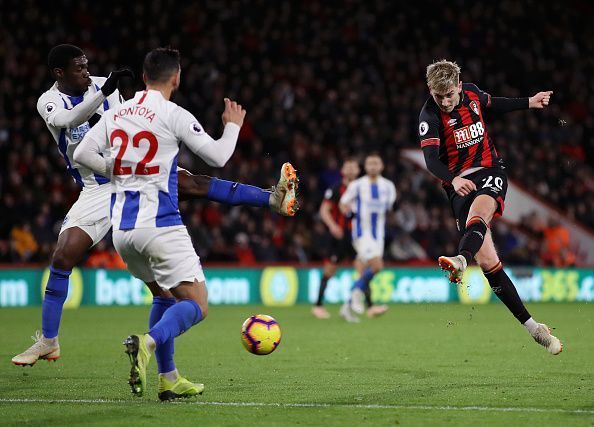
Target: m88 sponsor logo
(471,133)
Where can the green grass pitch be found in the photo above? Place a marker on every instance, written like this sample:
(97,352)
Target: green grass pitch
(418,365)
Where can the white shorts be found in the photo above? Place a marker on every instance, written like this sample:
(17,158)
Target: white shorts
(90,212)
(368,248)
(164,255)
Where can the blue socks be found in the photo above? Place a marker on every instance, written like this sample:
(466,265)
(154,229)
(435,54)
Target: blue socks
(56,292)
(175,321)
(163,353)
(363,281)
(234,193)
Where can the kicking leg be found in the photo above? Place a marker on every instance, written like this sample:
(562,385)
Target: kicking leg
(281,200)
(505,290)
(72,245)
(480,214)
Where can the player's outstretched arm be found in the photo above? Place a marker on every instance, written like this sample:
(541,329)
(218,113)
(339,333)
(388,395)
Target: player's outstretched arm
(540,100)
(505,105)
(215,153)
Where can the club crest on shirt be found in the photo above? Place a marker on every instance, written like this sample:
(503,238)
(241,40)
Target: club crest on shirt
(49,107)
(195,128)
(474,107)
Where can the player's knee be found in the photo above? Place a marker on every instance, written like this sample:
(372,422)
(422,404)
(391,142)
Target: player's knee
(204,310)
(481,214)
(62,259)
(486,259)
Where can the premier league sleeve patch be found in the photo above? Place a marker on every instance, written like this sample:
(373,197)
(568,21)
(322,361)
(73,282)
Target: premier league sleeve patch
(196,128)
(50,107)
(423,128)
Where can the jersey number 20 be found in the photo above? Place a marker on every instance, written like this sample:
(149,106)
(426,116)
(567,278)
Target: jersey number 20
(141,168)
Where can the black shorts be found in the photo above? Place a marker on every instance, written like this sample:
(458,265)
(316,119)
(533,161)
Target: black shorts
(341,249)
(489,181)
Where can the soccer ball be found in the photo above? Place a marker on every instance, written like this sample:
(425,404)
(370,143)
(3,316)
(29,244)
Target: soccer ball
(260,334)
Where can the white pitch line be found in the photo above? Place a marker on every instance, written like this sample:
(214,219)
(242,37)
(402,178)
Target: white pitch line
(316,405)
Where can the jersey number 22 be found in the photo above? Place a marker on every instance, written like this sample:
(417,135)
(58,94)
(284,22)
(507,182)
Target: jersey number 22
(142,168)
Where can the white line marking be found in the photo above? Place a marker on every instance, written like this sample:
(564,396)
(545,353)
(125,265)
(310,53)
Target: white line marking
(315,405)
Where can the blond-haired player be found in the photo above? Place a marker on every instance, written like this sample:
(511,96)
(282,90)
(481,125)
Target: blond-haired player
(460,152)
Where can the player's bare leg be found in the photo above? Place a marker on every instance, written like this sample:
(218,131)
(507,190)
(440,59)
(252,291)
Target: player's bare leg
(191,308)
(73,243)
(479,216)
(318,310)
(282,199)
(374,310)
(505,290)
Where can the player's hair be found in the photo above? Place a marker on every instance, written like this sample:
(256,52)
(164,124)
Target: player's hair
(60,55)
(159,64)
(373,154)
(442,74)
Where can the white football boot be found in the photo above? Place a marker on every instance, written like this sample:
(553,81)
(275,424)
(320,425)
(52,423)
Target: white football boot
(544,337)
(47,349)
(358,301)
(283,199)
(347,314)
(454,265)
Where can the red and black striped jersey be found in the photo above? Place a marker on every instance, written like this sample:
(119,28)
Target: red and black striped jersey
(332,195)
(461,135)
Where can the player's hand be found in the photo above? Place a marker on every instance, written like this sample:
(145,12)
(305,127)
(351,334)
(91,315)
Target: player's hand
(463,186)
(233,113)
(111,83)
(337,231)
(540,100)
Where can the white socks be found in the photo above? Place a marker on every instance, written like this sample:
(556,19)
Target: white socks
(170,376)
(531,326)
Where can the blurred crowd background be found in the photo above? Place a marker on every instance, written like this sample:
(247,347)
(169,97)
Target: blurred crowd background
(321,81)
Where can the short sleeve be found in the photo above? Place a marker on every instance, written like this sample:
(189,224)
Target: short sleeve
(328,194)
(428,128)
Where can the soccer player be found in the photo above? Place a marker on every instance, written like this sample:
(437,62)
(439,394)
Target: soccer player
(143,137)
(338,226)
(460,152)
(368,200)
(69,108)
